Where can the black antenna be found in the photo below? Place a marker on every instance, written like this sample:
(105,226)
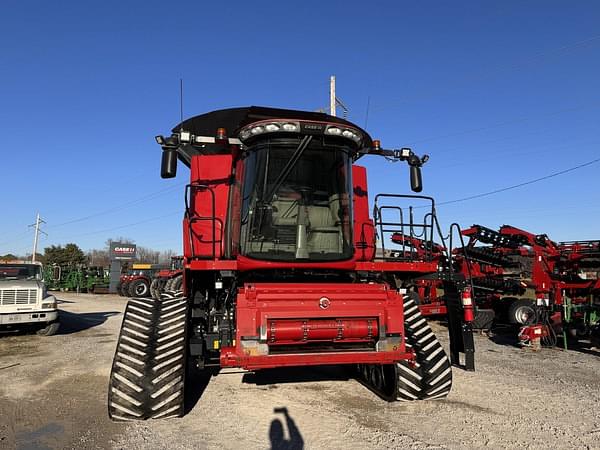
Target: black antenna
(181,102)
(367,113)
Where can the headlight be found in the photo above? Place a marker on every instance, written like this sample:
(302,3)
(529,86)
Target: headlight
(290,127)
(272,127)
(49,305)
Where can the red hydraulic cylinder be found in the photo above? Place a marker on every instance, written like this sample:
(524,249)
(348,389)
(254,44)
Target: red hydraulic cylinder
(284,331)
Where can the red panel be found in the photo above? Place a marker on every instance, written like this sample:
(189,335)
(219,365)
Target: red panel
(204,264)
(213,171)
(267,309)
(364,230)
(246,264)
(230,357)
(391,266)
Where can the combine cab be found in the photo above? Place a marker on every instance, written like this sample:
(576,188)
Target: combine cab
(280,266)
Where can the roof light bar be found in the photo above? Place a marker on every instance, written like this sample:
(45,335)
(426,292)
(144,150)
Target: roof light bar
(256,129)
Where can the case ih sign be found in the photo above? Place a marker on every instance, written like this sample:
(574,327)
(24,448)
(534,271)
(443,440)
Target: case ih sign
(119,250)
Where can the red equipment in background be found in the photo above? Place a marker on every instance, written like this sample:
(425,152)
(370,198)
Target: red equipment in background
(281,265)
(530,280)
(170,279)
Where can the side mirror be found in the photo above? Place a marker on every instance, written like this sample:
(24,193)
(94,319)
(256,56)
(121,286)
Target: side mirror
(416,183)
(168,166)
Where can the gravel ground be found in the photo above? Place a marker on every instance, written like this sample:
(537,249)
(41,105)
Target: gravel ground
(53,396)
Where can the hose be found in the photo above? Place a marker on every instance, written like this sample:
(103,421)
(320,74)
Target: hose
(544,318)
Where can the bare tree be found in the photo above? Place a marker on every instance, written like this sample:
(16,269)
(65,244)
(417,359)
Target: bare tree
(165,256)
(147,255)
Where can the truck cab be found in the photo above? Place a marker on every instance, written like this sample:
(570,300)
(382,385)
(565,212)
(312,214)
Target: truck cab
(24,300)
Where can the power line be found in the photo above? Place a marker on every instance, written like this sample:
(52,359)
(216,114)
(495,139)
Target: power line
(515,186)
(106,230)
(145,198)
(17,238)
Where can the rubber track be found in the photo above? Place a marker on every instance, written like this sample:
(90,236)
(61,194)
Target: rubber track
(148,371)
(431,377)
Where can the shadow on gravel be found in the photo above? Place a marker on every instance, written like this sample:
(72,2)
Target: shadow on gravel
(195,385)
(73,323)
(297,375)
(505,335)
(277,435)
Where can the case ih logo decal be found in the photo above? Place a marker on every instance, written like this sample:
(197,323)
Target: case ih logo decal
(124,249)
(119,250)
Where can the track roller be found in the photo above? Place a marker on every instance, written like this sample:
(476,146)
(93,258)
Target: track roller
(148,372)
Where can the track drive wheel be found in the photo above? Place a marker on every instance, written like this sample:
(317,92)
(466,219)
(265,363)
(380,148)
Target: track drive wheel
(148,372)
(431,376)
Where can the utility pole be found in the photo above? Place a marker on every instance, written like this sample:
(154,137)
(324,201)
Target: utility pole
(38,222)
(334,102)
(332,99)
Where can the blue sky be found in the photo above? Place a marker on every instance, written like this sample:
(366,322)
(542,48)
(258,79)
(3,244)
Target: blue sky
(497,93)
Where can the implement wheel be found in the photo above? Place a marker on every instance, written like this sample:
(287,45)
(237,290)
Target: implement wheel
(522,312)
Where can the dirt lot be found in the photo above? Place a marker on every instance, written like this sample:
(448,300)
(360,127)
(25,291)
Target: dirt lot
(53,396)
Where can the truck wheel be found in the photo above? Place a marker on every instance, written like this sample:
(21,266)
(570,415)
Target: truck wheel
(154,289)
(125,288)
(148,373)
(49,329)
(139,288)
(120,289)
(431,376)
(177,283)
(169,284)
(522,312)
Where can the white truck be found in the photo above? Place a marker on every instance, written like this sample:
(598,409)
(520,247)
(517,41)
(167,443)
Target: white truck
(24,301)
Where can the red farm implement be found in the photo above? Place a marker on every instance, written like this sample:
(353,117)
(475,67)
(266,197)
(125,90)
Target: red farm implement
(531,281)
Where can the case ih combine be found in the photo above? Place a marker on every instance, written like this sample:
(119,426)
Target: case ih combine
(280,266)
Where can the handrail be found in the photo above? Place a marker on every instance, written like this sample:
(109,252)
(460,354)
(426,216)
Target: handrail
(413,230)
(189,189)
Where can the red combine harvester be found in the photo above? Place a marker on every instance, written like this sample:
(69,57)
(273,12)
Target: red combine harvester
(280,266)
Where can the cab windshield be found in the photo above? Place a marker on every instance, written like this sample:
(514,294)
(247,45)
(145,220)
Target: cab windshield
(20,272)
(296,200)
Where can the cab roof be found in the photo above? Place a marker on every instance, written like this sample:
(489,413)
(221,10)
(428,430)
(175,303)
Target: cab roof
(233,119)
